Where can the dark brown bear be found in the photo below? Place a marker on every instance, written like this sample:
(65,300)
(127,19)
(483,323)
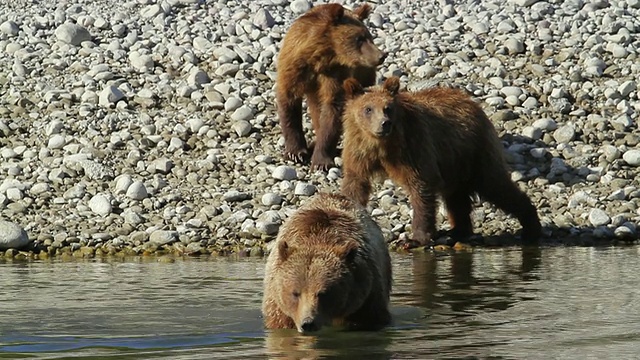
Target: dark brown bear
(437,141)
(322,48)
(329,266)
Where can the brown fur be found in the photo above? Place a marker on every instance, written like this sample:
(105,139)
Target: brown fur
(321,49)
(437,141)
(329,266)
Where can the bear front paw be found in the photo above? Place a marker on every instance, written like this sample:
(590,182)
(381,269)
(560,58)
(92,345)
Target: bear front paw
(297,155)
(323,163)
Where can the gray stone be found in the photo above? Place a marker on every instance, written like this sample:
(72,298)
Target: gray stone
(263,19)
(598,217)
(235,195)
(109,96)
(270,199)
(632,157)
(242,113)
(304,189)
(300,6)
(627,87)
(564,134)
(242,128)
(12,236)
(269,222)
(163,237)
(137,191)
(284,172)
(101,205)
(9,28)
(73,34)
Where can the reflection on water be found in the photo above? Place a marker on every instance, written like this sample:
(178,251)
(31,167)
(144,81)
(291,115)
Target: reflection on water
(506,303)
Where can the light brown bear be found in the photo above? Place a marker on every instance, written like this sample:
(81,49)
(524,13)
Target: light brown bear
(322,48)
(437,141)
(329,266)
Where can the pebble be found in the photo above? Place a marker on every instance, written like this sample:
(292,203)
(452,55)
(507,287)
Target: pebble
(9,28)
(300,6)
(101,205)
(109,96)
(73,34)
(270,199)
(242,128)
(12,236)
(163,237)
(598,217)
(632,157)
(564,134)
(304,189)
(284,172)
(137,191)
(242,113)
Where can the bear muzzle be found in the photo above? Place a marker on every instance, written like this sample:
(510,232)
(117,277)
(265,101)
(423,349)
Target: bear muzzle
(308,325)
(385,128)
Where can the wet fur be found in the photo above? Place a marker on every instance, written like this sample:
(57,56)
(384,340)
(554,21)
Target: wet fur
(441,144)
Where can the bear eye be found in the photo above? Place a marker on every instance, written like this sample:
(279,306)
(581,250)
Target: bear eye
(361,40)
(368,110)
(296,294)
(387,110)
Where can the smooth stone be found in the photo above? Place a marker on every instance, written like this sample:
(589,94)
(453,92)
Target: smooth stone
(109,96)
(270,199)
(242,128)
(284,172)
(163,237)
(137,191)
(101,205)
(304,189)
(598,217)
(12,236)
(57,141)
(300,6)
(73,34)
(564,134)
(632,157)
(235,195)
(9,28)
(242,113)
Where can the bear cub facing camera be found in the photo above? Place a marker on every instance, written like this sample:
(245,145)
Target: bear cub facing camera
(329,266)
(322,48)
(434,142)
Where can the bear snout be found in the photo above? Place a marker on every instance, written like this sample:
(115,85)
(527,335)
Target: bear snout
(308,325)
(383,57)
(385,128)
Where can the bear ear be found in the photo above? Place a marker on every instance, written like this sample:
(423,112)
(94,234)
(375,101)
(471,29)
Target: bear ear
(352,88)
(284,250)
(334,12)
(362,12)
(392,85)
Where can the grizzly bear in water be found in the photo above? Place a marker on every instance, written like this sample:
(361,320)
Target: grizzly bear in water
(437,141)
(329,266)
(322,48)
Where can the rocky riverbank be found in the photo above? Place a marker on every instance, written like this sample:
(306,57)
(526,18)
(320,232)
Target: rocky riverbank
(149,126)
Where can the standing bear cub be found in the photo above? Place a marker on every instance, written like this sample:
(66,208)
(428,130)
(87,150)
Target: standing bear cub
(322,48)
(437,141)
(329,266)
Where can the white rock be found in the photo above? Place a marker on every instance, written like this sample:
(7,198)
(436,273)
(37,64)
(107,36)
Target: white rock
(57,141)
(101,205)
(300,6)
(284,172)
(598,217)
(137,191)
(632,157)
(73,34)
(122,183)
(109,96)
(304,189)
(263,19)
(151,11)
(12,236)
(10,28)
(242,113)
(564,134)
(163,237)
(242,128)
(269,199)
(232,103)
(141,62)
(627,87)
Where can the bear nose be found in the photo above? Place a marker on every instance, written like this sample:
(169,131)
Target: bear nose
(308,325)
(382,58)
(386,127)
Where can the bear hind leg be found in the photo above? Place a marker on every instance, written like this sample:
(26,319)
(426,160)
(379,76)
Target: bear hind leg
(506,195)
(459,214)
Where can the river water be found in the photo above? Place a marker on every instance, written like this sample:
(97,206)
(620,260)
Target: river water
(549,303)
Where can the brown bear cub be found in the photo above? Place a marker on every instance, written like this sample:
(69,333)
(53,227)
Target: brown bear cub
(322,48)
(329,266)
(437,141)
